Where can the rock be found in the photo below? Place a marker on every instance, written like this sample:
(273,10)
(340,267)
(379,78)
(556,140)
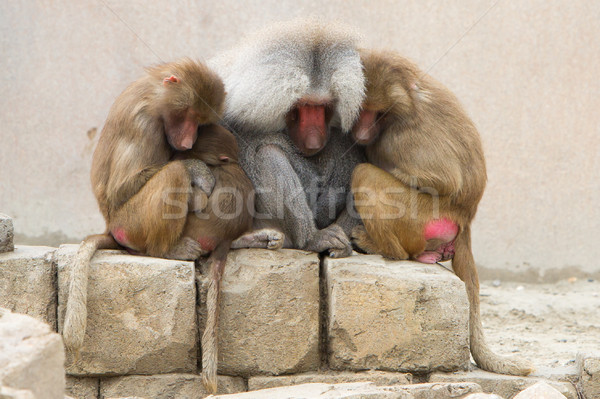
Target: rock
(6,233)
(360,390)
(589,374)
(269,312)
(31,356)
(540,390)
(503,385)
(483,396)
(11,393)
(376,377)
(128,397)
(441,390)
(28,282)
(402,316)
(166,386)
(141,314)
(556,373)
(82,388)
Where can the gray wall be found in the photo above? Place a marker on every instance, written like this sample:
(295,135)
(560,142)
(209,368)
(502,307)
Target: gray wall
(527,73)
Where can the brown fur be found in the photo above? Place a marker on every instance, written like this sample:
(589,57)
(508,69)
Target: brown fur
(160,187)
(391,212)
(224,216)
(131,171)
(232,195)
(427,163)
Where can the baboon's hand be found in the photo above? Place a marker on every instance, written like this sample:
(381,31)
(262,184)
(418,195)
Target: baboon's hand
(186,249)
(200,175)
(332,239)
(263,238)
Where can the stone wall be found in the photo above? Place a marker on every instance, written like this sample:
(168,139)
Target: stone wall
(287,318)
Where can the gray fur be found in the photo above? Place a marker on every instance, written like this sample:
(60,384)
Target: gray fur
(271,70)
(264,78)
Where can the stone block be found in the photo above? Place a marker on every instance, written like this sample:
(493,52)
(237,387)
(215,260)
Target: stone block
(589,374)
(141,314)
(330,377)
(6,233)
(28,282)
(11,393)
(269,312)
(540,390)
(166,386)
(506,386)
(31,356)
(362,390)
(82,388)
(401,316)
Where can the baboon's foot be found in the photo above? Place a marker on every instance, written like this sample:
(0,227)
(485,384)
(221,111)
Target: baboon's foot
(447,251)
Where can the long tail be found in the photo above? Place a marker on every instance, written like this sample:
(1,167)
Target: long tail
(464,267)
(216,261)
(76,314)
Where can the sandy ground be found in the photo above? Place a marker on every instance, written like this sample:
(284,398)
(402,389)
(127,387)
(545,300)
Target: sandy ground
(546,323)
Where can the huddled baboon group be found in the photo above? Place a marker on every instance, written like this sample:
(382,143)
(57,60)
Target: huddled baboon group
(295,138)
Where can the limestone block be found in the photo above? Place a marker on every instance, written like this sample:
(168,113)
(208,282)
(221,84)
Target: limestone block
(361,390)
(31,356)
(441,390)
(269,312)
(503,385)
(141,314)
(6,233)
(540,390)
(589,374)
(332,377)
(401,316)
(28,282)
(166,386)
(11,393)
(82,388)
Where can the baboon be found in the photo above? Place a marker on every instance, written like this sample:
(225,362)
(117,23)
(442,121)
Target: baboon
(420,192)
(143,192)
(216,221)
(293,91)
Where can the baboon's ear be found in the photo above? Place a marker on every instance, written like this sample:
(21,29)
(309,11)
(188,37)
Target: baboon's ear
(170,79)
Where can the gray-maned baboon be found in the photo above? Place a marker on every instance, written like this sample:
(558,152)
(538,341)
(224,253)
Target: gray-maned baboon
(294,90)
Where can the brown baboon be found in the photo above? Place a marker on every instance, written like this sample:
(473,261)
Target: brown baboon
(148,193)
(420,195)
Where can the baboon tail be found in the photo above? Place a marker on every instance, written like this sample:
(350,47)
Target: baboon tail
(216,263)
(73,330)
(464,267)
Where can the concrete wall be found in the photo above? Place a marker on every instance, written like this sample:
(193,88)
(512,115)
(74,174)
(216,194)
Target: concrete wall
(527,72)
